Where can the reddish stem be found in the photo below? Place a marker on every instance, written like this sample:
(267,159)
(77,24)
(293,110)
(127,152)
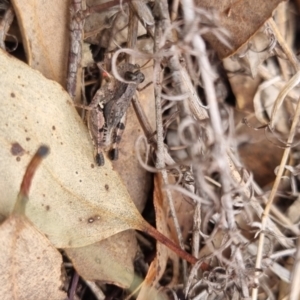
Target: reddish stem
(171,245)
(31,168)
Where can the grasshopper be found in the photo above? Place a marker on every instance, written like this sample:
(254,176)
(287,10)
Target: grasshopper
(107,111)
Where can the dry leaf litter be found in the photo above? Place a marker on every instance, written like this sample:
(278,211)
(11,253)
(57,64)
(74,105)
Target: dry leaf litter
(209,154)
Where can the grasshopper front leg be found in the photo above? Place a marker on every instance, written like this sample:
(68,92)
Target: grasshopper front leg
(96,124)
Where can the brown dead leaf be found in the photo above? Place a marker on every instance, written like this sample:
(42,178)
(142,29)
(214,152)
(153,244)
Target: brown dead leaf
(110,260)
(240,18)
(29,265)
(73,202)
(45,30)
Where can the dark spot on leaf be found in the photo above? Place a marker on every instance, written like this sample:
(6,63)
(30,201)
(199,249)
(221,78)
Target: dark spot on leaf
(12,95)
(27,139)
(47,207)
(106,187)
(94,219)
(44,195)
(80,180)
(76,172)
(53,127)
(61,143)
(92,166)
(17,149)
(25,130)
(18,158)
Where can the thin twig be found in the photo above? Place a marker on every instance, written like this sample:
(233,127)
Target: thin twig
(290,55)
(162,12)
(5,24)
(281,15)
(196,230)
(174,10)
(95,289)
(295,287)
(74,284)
(294,81)
(76,38)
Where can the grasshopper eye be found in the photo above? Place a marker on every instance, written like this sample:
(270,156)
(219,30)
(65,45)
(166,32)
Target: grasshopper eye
(140,77)
(130,76)
(136,76)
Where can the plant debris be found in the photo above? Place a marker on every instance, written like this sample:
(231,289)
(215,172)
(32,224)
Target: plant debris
(207,162)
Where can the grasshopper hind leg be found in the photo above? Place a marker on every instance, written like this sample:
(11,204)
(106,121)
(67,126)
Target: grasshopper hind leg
(114,153)
(99,158)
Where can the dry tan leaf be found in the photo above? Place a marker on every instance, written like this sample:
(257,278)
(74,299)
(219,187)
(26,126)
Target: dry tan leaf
(110,260)
(73,202)
(29,265)
(240,18)
(98,21)
(184,210)
(113,18)
(244,87)
(253,144)
(45,31)
(158,265)
(165,224)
